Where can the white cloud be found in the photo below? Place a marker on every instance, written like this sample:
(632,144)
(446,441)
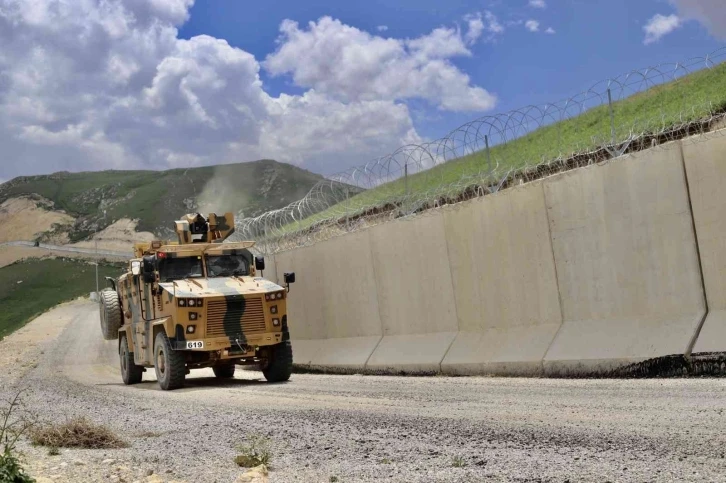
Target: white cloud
(711,13)
(382,28)
(98,84)
(532,25)
(537,3)
(660,25)
(550,31)
(476,27)
(351,65)
(493,24)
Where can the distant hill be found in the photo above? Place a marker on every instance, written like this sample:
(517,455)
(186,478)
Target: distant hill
(157,198)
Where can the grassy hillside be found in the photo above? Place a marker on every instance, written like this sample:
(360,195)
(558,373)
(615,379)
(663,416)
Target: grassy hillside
(29,288)
(690,98)
(157,198)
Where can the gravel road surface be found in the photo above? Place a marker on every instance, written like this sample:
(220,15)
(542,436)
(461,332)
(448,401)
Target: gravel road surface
(326,428)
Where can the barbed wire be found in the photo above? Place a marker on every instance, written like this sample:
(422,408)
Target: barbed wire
(627,113)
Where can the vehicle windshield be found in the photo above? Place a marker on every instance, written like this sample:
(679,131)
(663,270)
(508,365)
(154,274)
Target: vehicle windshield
(227,265)
(178,268)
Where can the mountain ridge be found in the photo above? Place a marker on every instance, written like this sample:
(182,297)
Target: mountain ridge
(157,198)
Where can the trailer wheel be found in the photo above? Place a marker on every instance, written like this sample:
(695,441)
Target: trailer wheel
(130,372)
(278,366)
(111,316)
(168,363)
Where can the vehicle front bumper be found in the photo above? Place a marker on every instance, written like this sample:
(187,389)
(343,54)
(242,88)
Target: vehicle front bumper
(235,345)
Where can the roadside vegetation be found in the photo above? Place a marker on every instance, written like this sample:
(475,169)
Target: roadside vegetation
(30,287)
(78,432)
(255,452)
(15,422)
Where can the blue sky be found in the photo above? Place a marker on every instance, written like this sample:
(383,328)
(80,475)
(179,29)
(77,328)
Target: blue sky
(594,40)
(325,85)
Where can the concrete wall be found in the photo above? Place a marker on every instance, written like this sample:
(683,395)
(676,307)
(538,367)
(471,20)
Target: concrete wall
(415,294)
(333,305)
(706,167)
(627,265)
(578,273)
(505,283)
(305,312)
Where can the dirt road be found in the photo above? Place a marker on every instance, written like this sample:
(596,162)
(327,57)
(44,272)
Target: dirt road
(362,428)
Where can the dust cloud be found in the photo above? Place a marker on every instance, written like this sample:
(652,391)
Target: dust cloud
(220,195)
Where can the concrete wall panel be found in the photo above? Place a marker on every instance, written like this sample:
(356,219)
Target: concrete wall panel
(626,261)
(334,303)
(504,283)
(414,353)
(270,272)
(305,319)
(415,293)
(705,158)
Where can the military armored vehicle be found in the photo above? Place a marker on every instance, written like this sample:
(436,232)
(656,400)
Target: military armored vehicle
(197,302)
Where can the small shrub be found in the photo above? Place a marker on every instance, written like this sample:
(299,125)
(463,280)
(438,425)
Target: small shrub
(334,479)
(76,433)
(15,423)
(53,451)
(458,462)
(10,469)
(255,452)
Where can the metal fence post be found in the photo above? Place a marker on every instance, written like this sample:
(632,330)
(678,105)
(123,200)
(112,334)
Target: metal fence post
(489,155)
(347,209)
(612,117)
(405,175)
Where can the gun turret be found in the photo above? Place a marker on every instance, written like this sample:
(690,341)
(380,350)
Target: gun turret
(194,228)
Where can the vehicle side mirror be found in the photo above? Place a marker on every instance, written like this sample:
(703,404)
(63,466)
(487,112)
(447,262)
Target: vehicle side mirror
(149,270)
(260,263)
(135,268)
(289,278)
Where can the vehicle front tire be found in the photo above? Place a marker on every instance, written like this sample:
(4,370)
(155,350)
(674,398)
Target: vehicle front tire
(278,366)
(130,372)
(110,314)
(168,363)
(225,371)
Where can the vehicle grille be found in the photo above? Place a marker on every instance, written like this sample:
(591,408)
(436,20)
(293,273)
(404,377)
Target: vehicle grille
(232,317)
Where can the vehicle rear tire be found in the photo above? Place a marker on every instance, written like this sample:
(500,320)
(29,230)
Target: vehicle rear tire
(168,363)
(225,371)
(130,372)
(279,364)
(111,317)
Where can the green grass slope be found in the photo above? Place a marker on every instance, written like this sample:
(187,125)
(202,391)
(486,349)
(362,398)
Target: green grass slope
(157,198)
(689,98)
(29,288)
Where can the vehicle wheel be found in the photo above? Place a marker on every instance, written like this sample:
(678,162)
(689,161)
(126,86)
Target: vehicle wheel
(279,364)
(130,372)
(111,316)
(169,364)
(225,371)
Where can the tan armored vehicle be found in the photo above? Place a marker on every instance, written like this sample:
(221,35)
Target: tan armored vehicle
(197,303)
